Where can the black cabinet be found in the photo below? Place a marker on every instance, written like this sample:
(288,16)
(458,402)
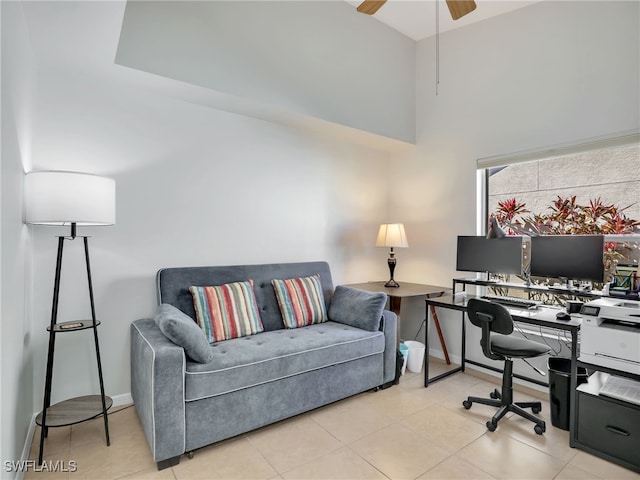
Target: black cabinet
(605,426)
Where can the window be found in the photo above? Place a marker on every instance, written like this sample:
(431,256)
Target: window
(589,188)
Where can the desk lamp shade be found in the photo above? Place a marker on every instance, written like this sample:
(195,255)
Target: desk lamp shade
(392,235)
(67,198)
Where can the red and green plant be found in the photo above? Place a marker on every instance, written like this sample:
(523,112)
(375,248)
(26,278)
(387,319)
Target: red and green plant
(565,216)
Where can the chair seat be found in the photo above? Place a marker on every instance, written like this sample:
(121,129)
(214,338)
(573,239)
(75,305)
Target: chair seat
(515,347)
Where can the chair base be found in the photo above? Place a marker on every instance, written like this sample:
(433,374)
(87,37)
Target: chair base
(505,403)
(517,408)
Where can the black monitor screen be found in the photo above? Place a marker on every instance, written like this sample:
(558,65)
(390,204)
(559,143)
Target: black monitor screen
(495,255)
(576,257)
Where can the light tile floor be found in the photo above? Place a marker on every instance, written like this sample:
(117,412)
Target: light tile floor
(404,432)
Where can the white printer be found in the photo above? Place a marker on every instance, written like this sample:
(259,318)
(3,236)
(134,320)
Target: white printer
(610,334)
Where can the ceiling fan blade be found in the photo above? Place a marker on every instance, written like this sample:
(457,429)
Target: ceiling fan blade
(370,6)
(459,8)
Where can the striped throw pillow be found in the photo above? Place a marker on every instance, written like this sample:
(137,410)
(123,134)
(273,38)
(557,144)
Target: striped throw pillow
(227,311)
(301,301)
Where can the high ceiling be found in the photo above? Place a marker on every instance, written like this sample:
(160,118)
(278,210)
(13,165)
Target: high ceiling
(85,33)
(417,18)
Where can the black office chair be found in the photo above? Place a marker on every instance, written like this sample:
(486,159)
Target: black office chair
(498,344)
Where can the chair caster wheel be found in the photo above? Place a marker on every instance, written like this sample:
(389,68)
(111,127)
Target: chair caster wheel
(491,426)
(495,395)
(536,410)
(466,404)
(190,455)
(539,429)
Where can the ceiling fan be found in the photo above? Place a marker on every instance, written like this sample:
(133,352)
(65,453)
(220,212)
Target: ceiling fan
(457,8)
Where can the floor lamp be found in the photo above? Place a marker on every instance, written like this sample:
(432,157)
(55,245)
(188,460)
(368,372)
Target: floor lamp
(70,198)
(392,235)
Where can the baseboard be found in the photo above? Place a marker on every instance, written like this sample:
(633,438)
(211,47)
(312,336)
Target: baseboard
(27,446)
(118,401)
(436,353)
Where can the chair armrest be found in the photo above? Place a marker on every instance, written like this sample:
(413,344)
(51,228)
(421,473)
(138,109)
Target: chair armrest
(157,387)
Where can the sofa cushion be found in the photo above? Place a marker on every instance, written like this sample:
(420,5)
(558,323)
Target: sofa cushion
(357,308)
(269,356)
(173,284)
(227,311)
(183,331)
(300,300)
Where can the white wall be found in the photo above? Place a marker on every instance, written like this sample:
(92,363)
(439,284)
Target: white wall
(195,186)
(16,362)
(546,74)
(318,58)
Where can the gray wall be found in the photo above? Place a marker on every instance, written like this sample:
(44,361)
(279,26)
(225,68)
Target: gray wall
(195,186)
(547,74)
(16,352)
(319,58)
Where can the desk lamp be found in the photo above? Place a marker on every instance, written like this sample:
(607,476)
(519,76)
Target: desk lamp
(69,198)
(392,235)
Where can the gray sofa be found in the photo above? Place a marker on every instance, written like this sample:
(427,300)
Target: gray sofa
(256,380)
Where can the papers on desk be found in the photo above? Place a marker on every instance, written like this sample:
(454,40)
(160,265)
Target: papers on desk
(622,388)
(521,312)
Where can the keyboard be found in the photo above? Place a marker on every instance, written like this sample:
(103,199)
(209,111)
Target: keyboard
(513,301)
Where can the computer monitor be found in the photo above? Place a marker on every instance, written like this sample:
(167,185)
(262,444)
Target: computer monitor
(495,255)
(575,257)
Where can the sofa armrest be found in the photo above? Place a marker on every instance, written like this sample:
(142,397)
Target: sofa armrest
(157,387)
(389,327)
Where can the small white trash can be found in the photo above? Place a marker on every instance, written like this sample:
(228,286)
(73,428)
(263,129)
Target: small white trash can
(405,354)
(416,356)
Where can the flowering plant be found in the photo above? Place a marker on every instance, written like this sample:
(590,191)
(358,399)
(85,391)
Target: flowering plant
(566,216)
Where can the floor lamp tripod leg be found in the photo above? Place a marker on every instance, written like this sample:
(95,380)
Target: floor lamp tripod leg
(95,337)
(52,342)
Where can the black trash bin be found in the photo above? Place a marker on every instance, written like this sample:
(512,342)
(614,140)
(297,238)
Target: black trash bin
(559,389)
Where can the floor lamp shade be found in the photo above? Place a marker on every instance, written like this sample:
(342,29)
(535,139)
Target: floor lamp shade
(64,198)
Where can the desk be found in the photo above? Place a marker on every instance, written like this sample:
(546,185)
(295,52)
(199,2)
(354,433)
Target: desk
(396,294)
(544,317)
(556,291)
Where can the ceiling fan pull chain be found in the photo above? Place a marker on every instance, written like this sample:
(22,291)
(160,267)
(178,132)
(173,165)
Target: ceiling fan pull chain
(437,2)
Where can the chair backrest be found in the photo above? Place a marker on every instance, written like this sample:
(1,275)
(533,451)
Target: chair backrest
(490,317)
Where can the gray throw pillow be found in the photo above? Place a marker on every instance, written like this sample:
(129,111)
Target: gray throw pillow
(182,330)
(357,308)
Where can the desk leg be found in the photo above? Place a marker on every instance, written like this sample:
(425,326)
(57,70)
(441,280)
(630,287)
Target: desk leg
(436,322)
(573,386)
(463,344)
(426,346)
(428,380)
(394,306)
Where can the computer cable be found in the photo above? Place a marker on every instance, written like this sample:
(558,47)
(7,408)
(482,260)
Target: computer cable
(540,372)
